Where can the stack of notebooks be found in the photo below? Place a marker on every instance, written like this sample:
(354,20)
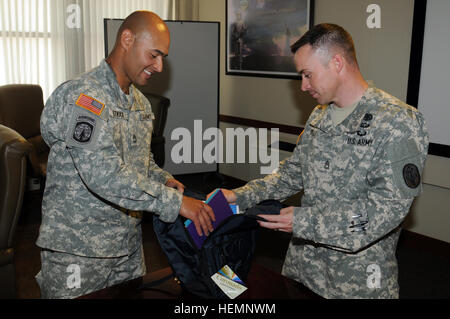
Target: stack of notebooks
(222,210)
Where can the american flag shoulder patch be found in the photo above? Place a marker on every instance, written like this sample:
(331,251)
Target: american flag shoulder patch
(90,104)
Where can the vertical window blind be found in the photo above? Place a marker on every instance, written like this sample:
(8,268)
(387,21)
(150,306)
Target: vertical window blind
(47,42)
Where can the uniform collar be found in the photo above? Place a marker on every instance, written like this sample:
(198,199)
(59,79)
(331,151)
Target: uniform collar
(126,101)
(352,123)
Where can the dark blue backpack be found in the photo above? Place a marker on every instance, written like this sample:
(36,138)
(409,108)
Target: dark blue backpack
(232,243)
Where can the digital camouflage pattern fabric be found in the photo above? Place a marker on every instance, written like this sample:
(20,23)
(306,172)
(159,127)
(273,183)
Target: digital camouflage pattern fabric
(101,173)
(64,276)
(359,180)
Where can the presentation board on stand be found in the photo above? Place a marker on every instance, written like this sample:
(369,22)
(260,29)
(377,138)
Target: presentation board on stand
(190,79)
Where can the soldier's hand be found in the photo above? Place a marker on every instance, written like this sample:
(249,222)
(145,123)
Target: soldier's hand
(229,195)
(282,222)
(200,213)
(175,184)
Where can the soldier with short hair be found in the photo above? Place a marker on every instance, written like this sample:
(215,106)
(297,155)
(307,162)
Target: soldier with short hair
(359,162)
(101,174)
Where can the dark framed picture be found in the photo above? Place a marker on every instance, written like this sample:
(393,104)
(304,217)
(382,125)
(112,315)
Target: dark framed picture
(259,34)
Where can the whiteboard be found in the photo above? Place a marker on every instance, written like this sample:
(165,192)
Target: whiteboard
(190,79)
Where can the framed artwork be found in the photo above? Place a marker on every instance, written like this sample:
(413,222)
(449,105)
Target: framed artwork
(259,34)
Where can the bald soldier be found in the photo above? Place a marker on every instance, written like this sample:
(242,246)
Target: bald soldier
(359,162)
(101,174)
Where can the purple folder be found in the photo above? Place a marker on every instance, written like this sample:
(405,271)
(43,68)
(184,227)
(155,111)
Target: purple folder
(221,210)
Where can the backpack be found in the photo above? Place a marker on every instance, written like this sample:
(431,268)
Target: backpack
(232,243)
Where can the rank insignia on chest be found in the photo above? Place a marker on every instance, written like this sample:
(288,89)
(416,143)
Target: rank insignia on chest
(90,104)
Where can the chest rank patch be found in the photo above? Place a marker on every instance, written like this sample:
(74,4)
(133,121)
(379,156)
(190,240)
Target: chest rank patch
(90,104)
(411,175)
(84,129)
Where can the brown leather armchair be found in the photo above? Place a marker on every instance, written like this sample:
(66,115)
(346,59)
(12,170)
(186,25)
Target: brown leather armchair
(160,104)
(13,167)
(21,106)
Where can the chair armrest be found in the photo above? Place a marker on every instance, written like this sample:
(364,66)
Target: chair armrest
(13,164)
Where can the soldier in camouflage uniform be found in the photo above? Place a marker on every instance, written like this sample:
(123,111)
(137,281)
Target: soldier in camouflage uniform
(101,173)
(359,172)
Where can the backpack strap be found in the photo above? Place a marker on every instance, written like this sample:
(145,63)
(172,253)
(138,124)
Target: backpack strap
(153,284)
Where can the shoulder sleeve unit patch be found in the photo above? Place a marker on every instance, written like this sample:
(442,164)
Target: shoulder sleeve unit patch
(90,104)
(84,127)
(411,175)
(83,130)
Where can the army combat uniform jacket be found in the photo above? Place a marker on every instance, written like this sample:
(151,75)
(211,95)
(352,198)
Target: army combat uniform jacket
(100,170)
(359,179)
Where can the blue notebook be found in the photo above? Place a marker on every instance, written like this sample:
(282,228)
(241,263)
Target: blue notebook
(221,210)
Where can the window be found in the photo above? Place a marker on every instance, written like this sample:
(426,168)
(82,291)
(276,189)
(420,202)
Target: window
(47,42)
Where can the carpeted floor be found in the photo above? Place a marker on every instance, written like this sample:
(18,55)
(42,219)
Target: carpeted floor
(423,272)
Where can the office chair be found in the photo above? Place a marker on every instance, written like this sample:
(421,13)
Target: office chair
(14,150)
(160,104)
(21,106)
